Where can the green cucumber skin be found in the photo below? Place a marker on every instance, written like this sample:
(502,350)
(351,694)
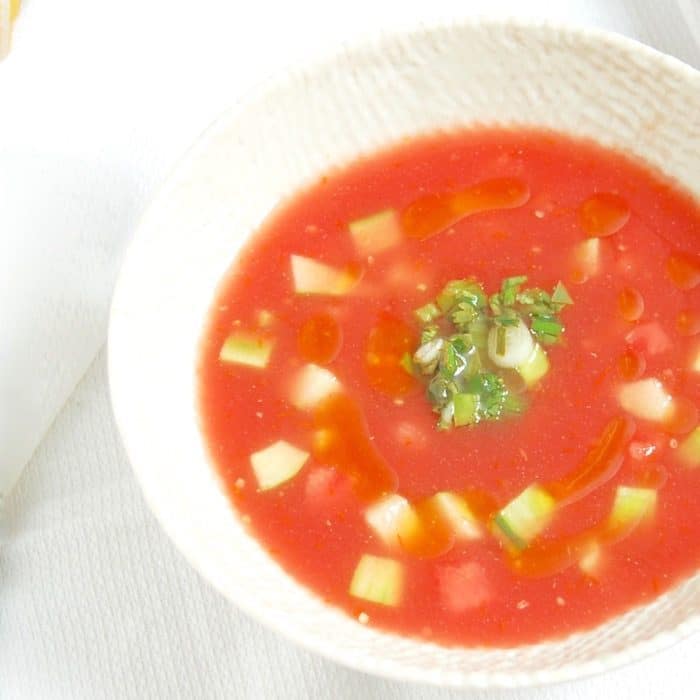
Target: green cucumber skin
(506,529)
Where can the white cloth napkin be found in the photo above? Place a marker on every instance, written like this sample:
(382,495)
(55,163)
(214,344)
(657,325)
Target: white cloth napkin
(95,603)
(99,98)
(97,101)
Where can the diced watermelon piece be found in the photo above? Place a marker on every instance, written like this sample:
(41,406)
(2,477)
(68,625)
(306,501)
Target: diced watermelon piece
(319,483)
(312,385)
(463,586)
(326,488)
(649,337)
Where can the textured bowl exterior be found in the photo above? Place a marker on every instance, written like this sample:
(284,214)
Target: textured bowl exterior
(583,82)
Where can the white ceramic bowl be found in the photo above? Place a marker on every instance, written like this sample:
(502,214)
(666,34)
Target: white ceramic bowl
(584,82)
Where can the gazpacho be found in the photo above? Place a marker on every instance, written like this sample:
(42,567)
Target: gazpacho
(452,387)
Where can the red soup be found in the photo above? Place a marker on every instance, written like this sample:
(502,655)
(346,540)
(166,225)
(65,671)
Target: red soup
(452,387)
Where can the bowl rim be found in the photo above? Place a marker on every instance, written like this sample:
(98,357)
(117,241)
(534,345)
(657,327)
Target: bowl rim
(390,669)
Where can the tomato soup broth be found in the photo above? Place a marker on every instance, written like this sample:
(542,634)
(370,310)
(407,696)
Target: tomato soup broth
(451,388)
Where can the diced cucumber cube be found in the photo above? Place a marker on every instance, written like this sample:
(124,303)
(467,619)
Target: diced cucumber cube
(688,451)
(311,385)
(244,348)
(406,363)
(632,504)
(378,580)
(455,512)
(535,367)
(646,398)
(277,463)
(525,516)
(377,232)
(394,520)
(313,277)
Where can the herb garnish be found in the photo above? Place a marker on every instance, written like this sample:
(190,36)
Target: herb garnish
(474,346)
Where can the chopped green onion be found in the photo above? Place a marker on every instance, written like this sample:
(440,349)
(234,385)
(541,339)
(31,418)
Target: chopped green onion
(506,319)
(492,393)
(446,415)
(428,313)
(510,287)
(534,297)
(465,369)
(479,332)
(438,390)
(561,295)
(463,314)
(513,282)
(547,326)
(468,290)
(427,356)
(501,340)
(428,333)
(465,409)
(461,343)
(448,361)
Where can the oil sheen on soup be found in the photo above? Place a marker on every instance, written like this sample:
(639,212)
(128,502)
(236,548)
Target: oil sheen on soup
(452,387)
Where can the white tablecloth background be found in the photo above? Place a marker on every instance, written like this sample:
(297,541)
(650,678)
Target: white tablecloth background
(97,101)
